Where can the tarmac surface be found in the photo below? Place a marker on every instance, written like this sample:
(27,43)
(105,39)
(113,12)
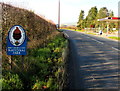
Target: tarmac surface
(92,62)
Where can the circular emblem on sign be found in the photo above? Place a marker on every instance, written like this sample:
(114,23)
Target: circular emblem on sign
(17,35)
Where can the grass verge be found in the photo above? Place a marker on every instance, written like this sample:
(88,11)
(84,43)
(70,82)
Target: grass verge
(42,68)
(113,37)
(91,33)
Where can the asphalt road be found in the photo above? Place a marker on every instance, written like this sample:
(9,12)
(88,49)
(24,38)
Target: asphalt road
(92,62)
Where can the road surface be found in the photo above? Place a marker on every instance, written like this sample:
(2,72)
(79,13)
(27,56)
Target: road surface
(92,62)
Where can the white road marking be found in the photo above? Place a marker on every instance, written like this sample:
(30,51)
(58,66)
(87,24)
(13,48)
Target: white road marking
(115,49)
(98,41)
(88,37)
(66,34)
(103,43)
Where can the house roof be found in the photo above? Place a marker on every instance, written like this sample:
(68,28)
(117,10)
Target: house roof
(110,19)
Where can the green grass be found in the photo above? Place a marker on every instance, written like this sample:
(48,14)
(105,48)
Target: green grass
(68,29)
(113,37)
(79,30)
(91,33)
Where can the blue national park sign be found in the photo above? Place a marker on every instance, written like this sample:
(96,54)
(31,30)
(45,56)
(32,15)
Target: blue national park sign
(16,41)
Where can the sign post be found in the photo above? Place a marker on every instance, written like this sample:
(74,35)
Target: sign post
(17,41)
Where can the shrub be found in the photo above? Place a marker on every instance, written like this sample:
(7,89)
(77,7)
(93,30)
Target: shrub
(11,81)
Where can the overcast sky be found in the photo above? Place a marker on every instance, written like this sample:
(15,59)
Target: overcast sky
(70,9)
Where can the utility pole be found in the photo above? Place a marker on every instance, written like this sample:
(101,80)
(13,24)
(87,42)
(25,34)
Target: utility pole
(59,14)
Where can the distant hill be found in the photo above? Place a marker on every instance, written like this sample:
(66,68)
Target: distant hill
(69,24)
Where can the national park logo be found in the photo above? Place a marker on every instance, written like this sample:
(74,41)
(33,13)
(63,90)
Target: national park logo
(16,35)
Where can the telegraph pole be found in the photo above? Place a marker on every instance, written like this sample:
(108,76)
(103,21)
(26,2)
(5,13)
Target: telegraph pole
(59,14)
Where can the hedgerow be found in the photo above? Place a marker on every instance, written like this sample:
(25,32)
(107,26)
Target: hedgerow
(42,66)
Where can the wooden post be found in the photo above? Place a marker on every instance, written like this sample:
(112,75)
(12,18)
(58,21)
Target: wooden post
(10,61)
(22,61)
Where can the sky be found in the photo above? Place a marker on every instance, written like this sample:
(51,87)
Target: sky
(70,9)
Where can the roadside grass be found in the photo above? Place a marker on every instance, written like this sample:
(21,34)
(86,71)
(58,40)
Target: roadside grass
(91,33)
(80,30)
(68,29)
(87,32)
(113,37)
(42,68)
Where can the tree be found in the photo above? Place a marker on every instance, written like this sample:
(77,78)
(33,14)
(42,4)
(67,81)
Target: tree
(92,16)
(112,25)
(103,12)
(81,16)
(92,13)
(111,13)
(80,20)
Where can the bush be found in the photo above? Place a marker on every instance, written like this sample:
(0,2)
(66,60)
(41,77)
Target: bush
(39,85)
(40,66)
(11,81)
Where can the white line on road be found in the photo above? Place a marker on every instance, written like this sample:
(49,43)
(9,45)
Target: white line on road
(87,37)
(115,49)
(98,41)
(103,43)
(66,34)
